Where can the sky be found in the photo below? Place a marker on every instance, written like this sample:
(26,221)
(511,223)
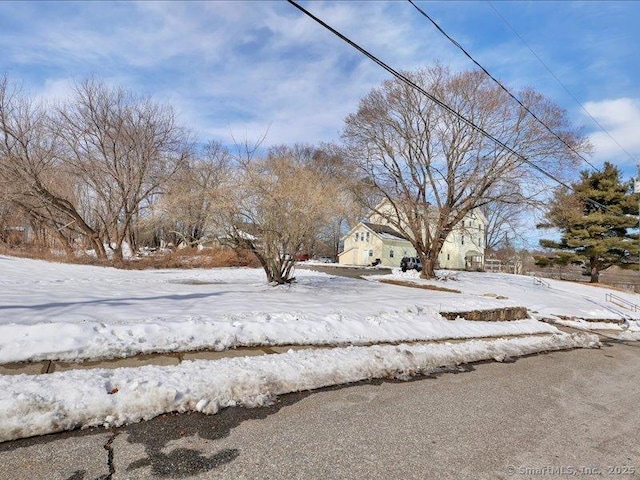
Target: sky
(236,71)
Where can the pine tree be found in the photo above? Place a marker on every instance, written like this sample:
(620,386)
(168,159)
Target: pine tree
(594,235)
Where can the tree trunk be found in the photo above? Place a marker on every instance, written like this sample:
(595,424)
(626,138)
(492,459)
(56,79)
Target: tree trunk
(595,272)
(279,271)
(428,266)
(429,258)
(271,268)
(98,247)
(64,242)
(274,274)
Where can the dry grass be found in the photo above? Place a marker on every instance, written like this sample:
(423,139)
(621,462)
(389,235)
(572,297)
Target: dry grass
(403,283)
(37,253)
(191,258)
(185,258)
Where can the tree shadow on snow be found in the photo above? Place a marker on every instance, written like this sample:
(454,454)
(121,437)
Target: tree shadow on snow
(111,301)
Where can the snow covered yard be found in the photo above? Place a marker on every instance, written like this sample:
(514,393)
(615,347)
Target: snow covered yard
(70,312)
(51,311)
(554,299)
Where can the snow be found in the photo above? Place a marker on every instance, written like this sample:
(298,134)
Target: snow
(41,404)
(77,313)
(629,331)
(629,335)
(584,325)
(389,236)
(51,311)
(565,299)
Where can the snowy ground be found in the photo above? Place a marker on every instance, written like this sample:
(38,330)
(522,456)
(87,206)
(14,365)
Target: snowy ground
(73,312)
(70,312)
(40,404)
(560,298)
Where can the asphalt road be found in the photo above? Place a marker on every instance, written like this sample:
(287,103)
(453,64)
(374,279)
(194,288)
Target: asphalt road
(565,412)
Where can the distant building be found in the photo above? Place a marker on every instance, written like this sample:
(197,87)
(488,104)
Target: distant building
(375,241)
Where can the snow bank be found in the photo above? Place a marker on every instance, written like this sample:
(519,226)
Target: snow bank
(584,325)
(629,331)
(41,404)
(629,335)
(97,340)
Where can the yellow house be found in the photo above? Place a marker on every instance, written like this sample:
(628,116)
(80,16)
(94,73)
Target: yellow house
(369,243)
(374,242)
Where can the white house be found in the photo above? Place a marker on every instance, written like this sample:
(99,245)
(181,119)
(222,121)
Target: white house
(374,241)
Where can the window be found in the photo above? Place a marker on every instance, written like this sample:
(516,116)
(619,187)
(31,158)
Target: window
(462,239)
(357,235)
(367,236)
(371,253)
(448,257)
(390,253)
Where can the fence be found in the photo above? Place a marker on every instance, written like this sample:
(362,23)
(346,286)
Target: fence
(621,302)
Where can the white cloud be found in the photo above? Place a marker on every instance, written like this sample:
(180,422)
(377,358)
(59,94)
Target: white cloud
(243,66)
(283,73)
(621,119)
(228,65)
(55,90)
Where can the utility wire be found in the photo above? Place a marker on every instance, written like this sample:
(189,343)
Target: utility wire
(443,105)
(501,85)
(566,89)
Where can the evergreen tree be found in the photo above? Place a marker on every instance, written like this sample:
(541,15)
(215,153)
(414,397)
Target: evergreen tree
(595,236)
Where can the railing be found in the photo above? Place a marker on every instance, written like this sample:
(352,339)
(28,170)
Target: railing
(342,253)
(539,281)
(621,302)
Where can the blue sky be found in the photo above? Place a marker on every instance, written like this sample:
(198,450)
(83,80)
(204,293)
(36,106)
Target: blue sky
(243,69)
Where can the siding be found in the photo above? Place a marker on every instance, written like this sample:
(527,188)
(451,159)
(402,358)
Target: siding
(472,228)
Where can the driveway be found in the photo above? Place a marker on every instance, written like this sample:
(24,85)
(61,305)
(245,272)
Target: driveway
(351,272)
(573,411)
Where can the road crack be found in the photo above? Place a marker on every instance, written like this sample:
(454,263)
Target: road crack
(109,448)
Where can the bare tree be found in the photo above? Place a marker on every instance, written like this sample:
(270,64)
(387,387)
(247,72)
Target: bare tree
(346,211)
(433,168)
(34,177)
(187,207)
(507,213)
(275,208)
(124,148)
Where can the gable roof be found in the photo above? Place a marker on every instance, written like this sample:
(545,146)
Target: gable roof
(384,231)
(386,204)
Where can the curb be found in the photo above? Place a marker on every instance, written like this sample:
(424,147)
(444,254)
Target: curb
(167,359)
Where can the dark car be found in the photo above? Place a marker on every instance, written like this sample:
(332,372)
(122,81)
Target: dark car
(410,263)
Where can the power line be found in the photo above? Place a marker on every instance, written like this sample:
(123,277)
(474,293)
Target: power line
(443,105)
(566,89)
(501,85)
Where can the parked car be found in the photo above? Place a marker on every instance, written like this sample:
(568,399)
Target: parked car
(410,263)
(325,259)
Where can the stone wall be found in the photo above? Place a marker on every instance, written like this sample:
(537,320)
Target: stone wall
(496,315)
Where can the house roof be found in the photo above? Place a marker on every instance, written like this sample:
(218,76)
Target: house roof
(384,231)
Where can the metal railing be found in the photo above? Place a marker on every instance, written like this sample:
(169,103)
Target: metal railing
(621,302)
(539,281)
